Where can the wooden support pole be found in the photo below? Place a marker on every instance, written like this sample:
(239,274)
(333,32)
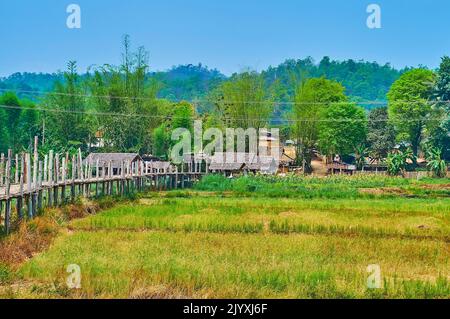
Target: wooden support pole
(74,173)
(20,199)
(16,173)
(2,169)
(40,204)
(8,190)
(56,184)
(63,180)
(50,179)
(29,188)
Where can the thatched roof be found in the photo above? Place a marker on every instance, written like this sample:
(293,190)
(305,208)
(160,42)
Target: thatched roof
(236,161)
(116,159)
(159,165)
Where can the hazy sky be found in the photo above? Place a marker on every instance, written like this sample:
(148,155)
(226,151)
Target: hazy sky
(228,34)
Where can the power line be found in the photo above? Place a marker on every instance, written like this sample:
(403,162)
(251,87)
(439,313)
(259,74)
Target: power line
(143,98)
(131,115)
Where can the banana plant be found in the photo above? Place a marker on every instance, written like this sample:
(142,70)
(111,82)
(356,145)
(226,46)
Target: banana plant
(397,161)
(436,164)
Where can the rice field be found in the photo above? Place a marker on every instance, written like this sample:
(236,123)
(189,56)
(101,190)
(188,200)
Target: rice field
(209,243)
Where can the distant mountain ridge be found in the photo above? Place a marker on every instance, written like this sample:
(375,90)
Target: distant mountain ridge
(364,81)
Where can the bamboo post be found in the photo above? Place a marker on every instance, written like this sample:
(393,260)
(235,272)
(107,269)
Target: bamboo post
(97,167)
(50,179)
(8,190)
(20,199)
(63,187)
(35,161)
(16,173)
(2,168)
(56,184)
(45,168)
(39,205)
(74,173)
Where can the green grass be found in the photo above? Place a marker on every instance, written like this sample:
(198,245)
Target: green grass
(332,187)
(414,218)
(132,264)
(222,243)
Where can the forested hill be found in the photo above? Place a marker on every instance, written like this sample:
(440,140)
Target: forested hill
(187,82)
(364,81)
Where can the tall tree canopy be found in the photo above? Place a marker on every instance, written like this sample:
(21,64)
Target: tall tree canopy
(409,106)
(67,122)
(381,133)
(244,102)
(128,102)
(343,129)
(440,135)
(312,98)
(18,122)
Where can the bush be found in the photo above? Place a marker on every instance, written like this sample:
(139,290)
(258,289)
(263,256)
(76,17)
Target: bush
(5,274)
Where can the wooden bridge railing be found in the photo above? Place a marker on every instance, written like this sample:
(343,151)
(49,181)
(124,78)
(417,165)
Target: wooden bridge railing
(28,184)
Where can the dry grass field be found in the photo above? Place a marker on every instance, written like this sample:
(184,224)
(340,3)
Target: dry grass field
(244,243)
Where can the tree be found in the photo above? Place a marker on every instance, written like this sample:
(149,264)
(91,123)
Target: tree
(343,129)
(4,138)
(440,134)
(28,126)
(12,118)
(161,141)
(381,133)
(312,98)
(409,107)
(243,101)
(66,119)
(442,89)
(18,124)
(129,103)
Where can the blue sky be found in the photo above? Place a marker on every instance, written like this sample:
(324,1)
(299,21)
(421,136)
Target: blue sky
(229,35)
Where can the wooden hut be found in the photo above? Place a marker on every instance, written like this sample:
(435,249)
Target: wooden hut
(116,159)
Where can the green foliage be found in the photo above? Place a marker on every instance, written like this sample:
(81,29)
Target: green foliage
(18,124)
(312,98)
(188,82)
(364,81)
(435,163)
(67,120)
(161,140)
(129,102)
(343,129)
(440,134)
(243,101)
(4,137)
(361,154)
(381,133)
(397,162)
(409,108)
(442,88)
(5,274)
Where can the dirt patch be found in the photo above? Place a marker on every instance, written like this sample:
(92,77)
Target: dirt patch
(288,214)
(158,292)
(436,186)
(385,191)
